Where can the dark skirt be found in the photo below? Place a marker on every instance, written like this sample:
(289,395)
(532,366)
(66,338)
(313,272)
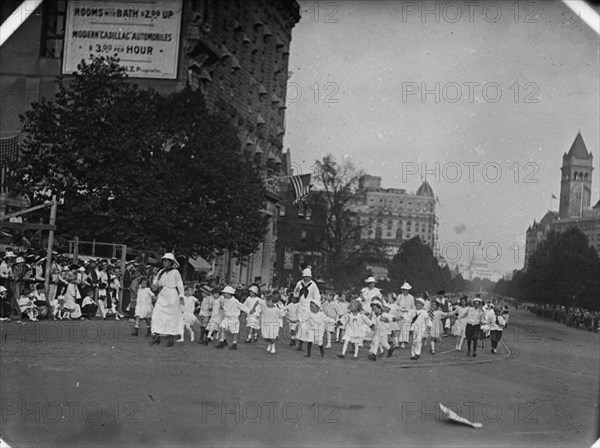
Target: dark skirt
(473,331)
(495,335)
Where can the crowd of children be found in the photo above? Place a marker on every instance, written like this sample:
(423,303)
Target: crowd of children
(323,320)
(387,320)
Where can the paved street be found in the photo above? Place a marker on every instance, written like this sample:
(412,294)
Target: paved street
(91,384)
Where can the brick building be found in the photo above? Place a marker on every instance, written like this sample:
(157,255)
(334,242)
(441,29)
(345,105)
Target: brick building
(235,51)
(300,238)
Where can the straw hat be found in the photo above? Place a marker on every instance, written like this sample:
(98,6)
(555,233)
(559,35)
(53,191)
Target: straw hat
(228,290)
(371,280)
(406,286)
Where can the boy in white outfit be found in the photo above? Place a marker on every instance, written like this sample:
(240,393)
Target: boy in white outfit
(232,309)
(419,324)
(380,326)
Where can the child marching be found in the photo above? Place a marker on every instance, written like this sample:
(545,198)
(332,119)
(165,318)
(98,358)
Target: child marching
(419,323)
(216,315)
(204,313)
(380,327)
(144,307)
(496,328)
(232,309)
(252,302)
(354,324)
(473,317)
(437,317)
(332,311)
(291,314)
(270,316)
(188,318)
(314,329)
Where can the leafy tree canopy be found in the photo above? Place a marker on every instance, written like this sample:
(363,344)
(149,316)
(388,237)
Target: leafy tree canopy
(134,167)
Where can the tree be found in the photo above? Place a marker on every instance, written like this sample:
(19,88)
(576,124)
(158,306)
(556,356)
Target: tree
(416,264)
(563,270)
(337,190)
(131,166)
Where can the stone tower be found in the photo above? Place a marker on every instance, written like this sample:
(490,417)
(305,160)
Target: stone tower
(576,180)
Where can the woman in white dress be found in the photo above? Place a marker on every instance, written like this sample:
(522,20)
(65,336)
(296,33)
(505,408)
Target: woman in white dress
(167,315)
(406,303)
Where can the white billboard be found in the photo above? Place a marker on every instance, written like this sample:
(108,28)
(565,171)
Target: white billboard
(144,35)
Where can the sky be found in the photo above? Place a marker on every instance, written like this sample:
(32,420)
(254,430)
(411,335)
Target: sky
(483,98)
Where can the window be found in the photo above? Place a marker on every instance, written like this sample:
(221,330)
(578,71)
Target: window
(303,235)
(53,29)
(282,211)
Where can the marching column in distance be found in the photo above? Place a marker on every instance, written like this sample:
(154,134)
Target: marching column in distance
(306,291)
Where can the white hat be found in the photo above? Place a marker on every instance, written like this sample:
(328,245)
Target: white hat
(10,254)
(406,286)
(81,269)
(307,273)
(316,303)
(20,260)
(169,256)
(3,289)
(421,301)
(371,280)
(228,290)
(254,289)
(476,299)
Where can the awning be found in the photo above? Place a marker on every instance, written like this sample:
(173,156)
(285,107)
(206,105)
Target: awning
(199,264)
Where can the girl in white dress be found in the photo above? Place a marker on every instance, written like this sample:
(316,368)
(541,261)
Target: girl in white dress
(458,329)
(253,318)
(143,306)
(344,306)
(332,311)
(216,315)
(437,324)
(354,324)
(394,311)
(166,316)
(270,316)
(291,314)
(188,316)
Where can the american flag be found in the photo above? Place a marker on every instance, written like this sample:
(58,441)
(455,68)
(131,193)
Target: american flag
(301,186)
(9,152)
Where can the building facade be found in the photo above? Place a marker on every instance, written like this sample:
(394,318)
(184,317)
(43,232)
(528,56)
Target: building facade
(300,236)
(393,215)
(235,51)
(575,200)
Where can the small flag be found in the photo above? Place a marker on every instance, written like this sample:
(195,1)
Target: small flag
(301,186)
(9,149)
